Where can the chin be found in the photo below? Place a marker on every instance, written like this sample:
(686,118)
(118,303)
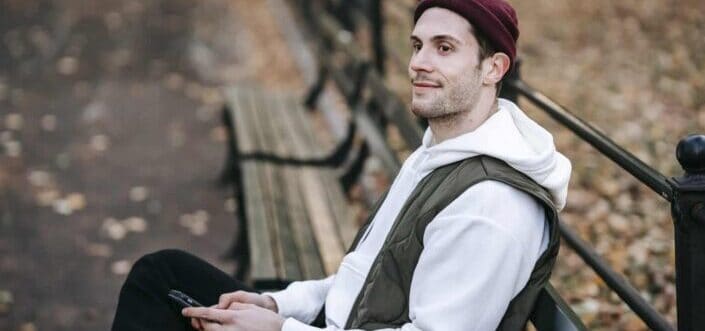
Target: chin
(420,110)
(422,104)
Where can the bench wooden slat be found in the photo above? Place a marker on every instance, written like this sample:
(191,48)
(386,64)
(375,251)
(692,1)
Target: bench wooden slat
(245,139)
(263,173)
(302,232)
(260,248)
(329,246)
(286,252)
(344,217)
(321,215)
(259,240)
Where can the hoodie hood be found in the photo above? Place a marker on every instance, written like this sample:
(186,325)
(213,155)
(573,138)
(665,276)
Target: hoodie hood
(511,136)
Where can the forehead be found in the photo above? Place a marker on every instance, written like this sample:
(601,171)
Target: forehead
(440,21)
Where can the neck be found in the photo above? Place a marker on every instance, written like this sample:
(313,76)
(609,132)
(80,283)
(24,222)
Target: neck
(454,125)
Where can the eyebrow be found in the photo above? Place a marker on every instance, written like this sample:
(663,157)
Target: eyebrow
(440,37)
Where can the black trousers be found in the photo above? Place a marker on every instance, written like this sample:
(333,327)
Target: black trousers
(144,304)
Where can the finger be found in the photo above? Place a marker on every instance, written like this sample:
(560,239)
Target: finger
(226,299)
(200,323)
(212,325)
(241,306)
(197,324)
(208,326)
(217,315)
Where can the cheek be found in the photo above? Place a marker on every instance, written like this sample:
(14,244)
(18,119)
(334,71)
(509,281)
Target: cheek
(455,68)
(467,72)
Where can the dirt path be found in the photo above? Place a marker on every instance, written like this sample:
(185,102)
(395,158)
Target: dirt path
(110,143)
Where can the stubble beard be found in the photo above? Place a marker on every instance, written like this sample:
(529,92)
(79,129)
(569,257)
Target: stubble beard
(451,102)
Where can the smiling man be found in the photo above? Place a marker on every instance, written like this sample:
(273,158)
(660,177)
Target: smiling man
(465,237)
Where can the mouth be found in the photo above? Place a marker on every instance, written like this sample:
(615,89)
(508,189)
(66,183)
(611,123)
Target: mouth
(424,85)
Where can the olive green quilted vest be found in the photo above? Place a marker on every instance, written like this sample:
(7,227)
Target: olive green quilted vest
(383,301)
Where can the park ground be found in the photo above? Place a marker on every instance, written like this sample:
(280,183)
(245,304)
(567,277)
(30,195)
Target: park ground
(113,144)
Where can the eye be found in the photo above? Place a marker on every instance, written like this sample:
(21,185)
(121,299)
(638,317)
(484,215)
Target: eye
(445,48)
(416,47)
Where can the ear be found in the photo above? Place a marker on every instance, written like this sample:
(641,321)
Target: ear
(496,65)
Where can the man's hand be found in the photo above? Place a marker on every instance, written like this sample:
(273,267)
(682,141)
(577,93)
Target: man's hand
(238,317)
(227,300)
(256,299)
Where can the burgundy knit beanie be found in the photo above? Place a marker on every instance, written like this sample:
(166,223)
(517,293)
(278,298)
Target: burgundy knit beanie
(495,19)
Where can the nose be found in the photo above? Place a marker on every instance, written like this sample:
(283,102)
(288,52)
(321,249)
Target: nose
(420,62)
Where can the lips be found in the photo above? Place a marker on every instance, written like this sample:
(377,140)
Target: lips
(425,84)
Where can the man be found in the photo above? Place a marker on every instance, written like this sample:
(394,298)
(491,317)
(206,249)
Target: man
(465,237)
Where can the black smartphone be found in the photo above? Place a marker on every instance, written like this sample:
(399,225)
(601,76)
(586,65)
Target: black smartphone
(183,300)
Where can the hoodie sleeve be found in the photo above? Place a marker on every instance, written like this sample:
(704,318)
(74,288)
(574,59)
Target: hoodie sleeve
(478,254)
(302,300)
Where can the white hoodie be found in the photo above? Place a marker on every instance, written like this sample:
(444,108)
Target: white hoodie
(478,252)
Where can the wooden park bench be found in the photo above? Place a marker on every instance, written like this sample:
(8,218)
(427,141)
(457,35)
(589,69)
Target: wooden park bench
(296,222)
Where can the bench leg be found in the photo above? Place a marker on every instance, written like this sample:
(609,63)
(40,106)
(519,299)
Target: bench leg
(342,151)
(314,92)
(351,176)
(231,174)
(239,249)
(227,174)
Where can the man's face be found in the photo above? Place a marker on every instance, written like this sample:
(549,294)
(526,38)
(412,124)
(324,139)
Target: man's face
(444,66)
